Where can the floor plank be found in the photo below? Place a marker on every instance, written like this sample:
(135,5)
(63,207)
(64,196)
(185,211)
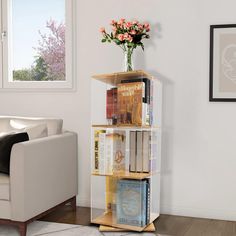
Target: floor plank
(165,224)
(173,225)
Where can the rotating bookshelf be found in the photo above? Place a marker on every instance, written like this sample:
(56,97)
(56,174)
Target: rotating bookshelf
(125,151)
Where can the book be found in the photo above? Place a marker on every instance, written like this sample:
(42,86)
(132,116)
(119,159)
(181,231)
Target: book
(109,151)
(146,150)
(153,151)
(119,151)
(96,149)
(151,105)
(130,103)
(111,105)
(131,202)
(146,98)
(115,151)
(139,151)
(102,152)
(147,82)
(148,197)
(144,202)
(132,154)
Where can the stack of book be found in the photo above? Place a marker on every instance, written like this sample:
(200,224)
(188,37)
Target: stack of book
(142,156)
(111,106)
(130,103)
(133,202)
(109,151)
(110,148)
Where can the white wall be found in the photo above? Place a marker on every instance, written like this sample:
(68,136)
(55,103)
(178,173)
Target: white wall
(199,154)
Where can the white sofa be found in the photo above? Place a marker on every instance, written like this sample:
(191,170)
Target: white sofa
(43,173)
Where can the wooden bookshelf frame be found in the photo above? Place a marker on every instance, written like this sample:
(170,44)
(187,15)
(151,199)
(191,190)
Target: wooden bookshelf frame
(115,78)
(105,218)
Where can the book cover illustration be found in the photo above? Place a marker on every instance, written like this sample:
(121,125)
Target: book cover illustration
(116,148)
(130,101)
(130,202)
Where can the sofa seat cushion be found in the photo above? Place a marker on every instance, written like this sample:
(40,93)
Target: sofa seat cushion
(4,187)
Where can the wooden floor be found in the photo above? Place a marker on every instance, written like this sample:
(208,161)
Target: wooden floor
(165,224)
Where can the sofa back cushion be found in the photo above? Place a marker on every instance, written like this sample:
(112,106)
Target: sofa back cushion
(54,126)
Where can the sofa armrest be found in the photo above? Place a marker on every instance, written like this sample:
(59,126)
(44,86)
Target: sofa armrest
(43,174)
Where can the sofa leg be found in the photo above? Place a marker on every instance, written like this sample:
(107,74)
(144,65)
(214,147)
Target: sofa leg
(73,203)
(23,228)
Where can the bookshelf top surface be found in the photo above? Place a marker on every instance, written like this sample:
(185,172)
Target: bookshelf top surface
(115,78)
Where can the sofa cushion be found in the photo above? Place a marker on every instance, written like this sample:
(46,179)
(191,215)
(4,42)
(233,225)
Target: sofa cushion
(6,143)
(4,187)
(54,125)
(34,131)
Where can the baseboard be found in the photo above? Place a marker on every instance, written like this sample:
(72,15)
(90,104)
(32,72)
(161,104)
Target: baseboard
(218,214)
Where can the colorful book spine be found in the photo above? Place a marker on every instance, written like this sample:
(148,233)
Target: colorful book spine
(132,153)
(96,149)
(111,105)
(146,150)
(139,150)
(151,104)
(109,151)
(148,197)
(144,202)
(102,152)
(153,151)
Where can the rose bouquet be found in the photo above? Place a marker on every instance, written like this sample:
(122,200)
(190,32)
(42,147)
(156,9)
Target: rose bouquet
(128,35)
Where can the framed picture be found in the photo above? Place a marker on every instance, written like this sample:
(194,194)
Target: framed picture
(223,63)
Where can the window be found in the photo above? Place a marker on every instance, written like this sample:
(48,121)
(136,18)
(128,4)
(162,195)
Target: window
(37,41)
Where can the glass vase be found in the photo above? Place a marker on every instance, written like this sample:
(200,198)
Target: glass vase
(128,59)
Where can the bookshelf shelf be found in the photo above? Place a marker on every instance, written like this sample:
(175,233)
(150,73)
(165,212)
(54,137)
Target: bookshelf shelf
(109,219)
(125,150)
(127,175)
(115,78)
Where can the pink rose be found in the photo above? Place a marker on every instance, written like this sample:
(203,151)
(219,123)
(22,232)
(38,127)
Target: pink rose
(122,21)
(133,32)
(146,26)
(135,22)
(128,25)
(102,30)
(126,35)
(140,26)
(120,37)
(113,22)
(130,38)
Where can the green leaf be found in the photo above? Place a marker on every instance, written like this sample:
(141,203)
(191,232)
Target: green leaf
(103,40)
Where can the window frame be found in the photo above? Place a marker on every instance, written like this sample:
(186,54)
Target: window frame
(5,52)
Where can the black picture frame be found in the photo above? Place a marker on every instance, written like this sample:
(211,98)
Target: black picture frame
(212,97)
